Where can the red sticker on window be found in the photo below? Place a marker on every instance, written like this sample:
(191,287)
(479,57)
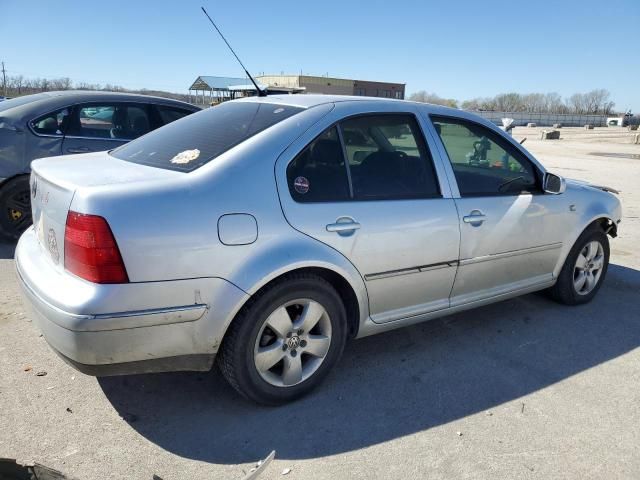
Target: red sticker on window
(301,185)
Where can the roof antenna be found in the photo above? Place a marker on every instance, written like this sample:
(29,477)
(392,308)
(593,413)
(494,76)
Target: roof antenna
(261,93)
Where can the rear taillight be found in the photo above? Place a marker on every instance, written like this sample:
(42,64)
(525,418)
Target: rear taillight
(90,251)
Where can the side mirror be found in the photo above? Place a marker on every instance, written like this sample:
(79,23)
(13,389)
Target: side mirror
(554,184)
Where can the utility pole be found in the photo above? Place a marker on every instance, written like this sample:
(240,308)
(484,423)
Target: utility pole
(4,80)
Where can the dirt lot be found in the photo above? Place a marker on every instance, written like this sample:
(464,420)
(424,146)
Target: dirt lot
(521,389)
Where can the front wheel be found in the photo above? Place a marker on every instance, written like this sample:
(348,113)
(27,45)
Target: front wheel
(584,269)
(285,340)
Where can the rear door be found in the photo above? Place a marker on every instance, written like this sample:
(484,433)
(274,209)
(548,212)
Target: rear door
(99,126)
(367,187)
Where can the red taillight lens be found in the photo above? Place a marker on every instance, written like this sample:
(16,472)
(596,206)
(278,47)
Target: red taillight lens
(90,251)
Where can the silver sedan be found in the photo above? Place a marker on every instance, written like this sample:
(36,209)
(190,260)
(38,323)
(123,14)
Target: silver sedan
(266,232)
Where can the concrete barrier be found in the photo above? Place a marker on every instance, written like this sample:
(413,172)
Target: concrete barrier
(588,127)
(550,135)
(531,125)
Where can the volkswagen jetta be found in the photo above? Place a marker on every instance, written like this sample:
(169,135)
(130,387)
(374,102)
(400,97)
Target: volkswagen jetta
(267,231)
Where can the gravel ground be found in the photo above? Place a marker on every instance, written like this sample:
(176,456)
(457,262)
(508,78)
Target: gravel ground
(521,389)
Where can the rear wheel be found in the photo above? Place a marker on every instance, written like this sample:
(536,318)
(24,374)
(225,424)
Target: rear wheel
(15,205)
(584,269)
(285,340)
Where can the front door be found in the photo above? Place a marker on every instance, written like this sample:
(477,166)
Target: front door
(510,231)
(382,209)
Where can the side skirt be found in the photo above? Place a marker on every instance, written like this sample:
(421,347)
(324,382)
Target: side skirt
(371,328)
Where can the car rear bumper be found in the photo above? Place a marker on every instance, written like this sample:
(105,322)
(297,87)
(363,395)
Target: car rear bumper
(128,328)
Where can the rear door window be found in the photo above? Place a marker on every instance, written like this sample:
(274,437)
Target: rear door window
(116,121)
(388,158)
(199,138)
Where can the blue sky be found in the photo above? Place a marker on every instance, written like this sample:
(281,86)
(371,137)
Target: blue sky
(459,49)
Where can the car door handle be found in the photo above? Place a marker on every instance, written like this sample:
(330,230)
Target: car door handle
(78,150)
(476,217)
(344,226)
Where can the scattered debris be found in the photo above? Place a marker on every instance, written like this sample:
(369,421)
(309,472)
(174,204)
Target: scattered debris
(51,387)
(531,125)
(156,477)
(11,469)
(522,409)
(28,368)
(286,471)
(588,126)
(260,467)
(69,410)
(557,125)
(459,434)
(41,374)
(489,414)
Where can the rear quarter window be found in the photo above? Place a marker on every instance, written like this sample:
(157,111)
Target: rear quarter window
(187,144)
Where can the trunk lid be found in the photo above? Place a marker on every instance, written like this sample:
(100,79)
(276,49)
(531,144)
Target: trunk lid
(55,181)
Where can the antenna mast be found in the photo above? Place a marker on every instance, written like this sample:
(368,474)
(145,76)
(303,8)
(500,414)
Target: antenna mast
(261,93)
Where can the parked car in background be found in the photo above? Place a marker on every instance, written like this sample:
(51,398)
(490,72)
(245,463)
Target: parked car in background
(70,122)
(267,231)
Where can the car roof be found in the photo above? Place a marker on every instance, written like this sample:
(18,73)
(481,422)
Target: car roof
(312,100)
(48,101)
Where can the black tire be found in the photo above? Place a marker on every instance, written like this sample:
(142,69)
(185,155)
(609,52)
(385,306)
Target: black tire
(236,355)
(15,205)
(564,290)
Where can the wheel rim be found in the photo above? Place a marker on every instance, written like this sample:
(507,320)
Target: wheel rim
(292,343)
(19,210)
(588,268)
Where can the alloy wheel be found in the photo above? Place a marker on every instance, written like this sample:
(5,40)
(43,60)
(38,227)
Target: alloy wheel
(588,268)
(19,210)
(292,343)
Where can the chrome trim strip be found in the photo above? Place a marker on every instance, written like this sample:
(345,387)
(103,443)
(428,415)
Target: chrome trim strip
(74,137)
(410,270)
(512,253)
(198,307)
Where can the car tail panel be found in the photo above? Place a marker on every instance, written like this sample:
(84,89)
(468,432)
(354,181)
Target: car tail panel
(49,205)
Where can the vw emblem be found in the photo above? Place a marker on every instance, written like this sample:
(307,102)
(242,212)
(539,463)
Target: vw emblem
(53,246)
(34,188)
(293,342)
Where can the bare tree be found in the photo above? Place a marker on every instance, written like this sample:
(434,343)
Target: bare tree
(426,97)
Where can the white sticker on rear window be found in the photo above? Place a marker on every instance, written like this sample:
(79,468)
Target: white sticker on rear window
(186,156)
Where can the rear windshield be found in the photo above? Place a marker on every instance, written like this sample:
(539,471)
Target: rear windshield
(197,139)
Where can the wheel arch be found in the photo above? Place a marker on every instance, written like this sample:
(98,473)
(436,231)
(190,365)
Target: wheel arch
(602,221)
(352,295)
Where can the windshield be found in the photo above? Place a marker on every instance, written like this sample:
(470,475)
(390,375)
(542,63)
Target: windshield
(16,102)
(197,139)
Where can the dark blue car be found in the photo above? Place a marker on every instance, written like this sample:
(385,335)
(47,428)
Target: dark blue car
(62,123)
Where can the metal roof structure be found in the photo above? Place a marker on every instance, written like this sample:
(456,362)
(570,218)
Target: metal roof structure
(209,83)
